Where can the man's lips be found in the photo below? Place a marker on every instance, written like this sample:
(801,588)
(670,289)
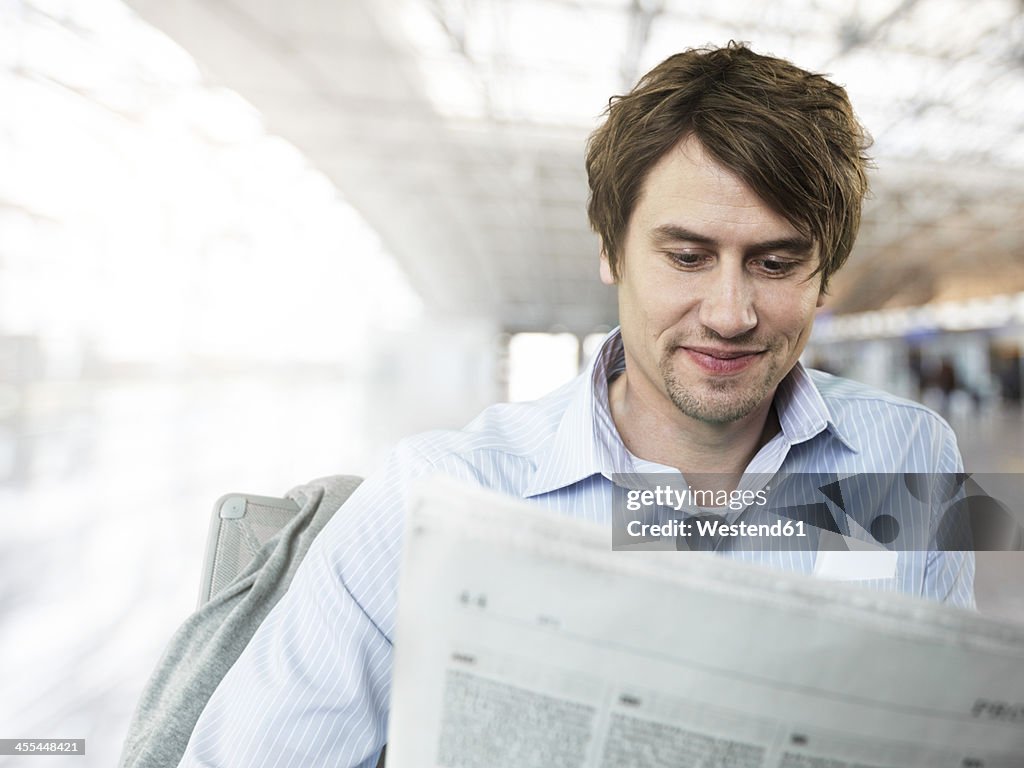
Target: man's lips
(722,360)
(723,353)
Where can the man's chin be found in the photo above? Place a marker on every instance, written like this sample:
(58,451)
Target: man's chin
(718,416)
(719,402)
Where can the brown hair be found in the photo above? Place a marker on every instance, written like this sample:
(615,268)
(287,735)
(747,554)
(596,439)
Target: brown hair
(790,135)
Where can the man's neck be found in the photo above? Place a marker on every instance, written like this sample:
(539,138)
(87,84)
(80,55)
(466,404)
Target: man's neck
(692,446)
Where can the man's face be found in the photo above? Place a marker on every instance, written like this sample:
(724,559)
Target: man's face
(716,301)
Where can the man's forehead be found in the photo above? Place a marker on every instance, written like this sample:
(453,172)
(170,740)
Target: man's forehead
(690,178)
(681,208)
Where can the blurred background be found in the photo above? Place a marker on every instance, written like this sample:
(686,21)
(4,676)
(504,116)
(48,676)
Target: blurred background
(247,243)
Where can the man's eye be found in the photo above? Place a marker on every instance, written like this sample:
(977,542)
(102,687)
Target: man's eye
(775,266)
(687,259)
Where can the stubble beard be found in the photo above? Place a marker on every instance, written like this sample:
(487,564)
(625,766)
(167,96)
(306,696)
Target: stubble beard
(722,401)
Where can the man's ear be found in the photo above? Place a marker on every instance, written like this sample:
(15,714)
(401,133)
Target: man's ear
(606,269)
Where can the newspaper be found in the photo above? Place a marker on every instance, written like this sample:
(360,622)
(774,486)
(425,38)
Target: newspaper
(524,640)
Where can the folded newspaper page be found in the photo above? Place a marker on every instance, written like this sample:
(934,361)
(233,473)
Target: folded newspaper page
(524,640)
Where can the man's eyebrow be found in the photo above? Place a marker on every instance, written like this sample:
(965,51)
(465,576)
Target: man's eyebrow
(673,232)
(796,245)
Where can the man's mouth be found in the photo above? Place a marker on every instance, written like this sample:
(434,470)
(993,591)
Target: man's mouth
(724,353)
(722,360)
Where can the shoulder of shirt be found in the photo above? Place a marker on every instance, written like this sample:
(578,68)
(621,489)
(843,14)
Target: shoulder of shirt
(850,402)
(506,430)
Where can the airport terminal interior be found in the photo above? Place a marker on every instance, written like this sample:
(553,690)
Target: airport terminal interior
(244,244)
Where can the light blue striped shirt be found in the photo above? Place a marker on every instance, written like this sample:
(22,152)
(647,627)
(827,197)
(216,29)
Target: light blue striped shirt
(312,687)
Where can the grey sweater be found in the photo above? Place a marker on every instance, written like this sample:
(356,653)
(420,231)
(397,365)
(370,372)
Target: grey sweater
(207,644)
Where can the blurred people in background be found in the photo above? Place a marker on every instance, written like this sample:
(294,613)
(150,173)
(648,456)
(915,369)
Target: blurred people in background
(946,381)
(1005,363)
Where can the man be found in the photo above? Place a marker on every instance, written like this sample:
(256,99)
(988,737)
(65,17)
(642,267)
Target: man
(726,190)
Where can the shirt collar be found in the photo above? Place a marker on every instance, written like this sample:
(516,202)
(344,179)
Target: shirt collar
(587,443)
(803,412)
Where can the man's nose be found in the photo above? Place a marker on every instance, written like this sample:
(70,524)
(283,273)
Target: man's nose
(728,306)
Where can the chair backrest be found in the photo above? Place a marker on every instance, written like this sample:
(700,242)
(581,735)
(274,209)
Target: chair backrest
(240,525)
